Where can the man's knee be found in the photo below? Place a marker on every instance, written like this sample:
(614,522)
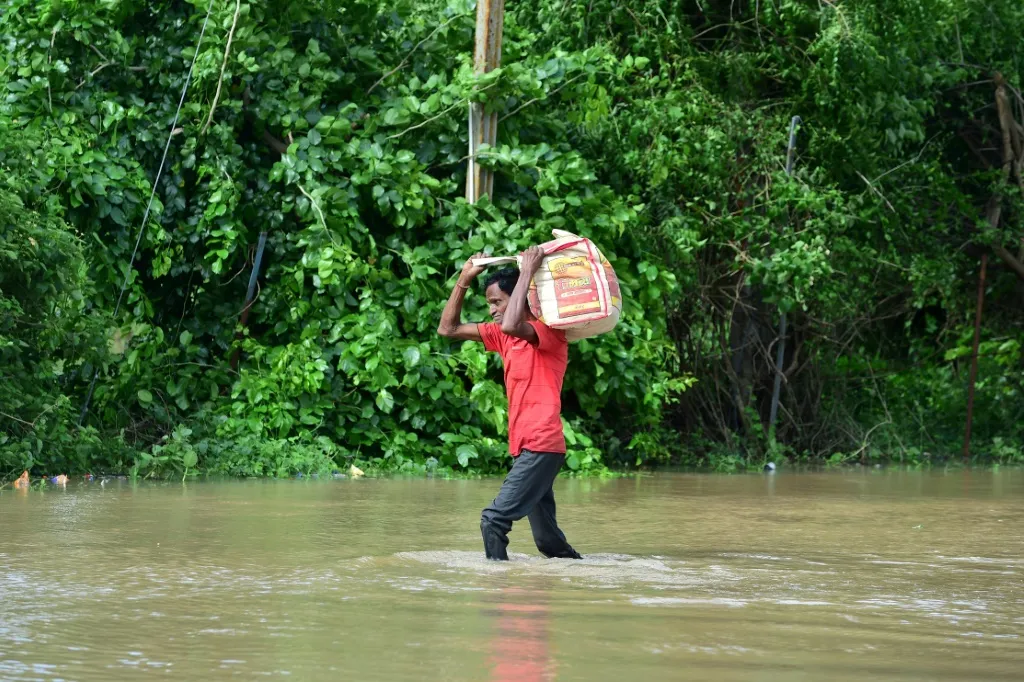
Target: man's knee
(491,520)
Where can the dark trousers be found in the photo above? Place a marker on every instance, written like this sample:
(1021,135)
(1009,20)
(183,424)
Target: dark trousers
(527,492)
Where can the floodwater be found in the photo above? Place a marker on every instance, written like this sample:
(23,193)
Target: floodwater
(870,575)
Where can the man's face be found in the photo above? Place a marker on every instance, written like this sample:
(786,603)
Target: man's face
(497,300)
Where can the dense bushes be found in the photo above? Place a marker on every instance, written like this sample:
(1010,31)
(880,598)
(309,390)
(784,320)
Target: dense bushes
(45,335)
(657,128)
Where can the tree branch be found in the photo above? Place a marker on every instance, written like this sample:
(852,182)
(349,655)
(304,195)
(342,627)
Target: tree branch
(876,191)
(537,99)
(405,60)
(1005,124)
(316,207)
(274,143)
(17,419)
(97,51)
(223,66)
(1009,259)
(1010,161)
(31,424)
(429,120)
(103,66)
(49,59)
(93,73)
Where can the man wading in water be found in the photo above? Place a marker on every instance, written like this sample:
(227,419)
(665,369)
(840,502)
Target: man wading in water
(535,357)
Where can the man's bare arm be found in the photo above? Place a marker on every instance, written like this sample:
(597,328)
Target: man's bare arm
(514,322)
(451,325)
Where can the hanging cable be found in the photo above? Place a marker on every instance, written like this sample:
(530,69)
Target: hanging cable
(152,196)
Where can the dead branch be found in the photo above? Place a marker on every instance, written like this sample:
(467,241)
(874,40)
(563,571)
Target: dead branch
(876,191)
(1010,163)
(1005,125)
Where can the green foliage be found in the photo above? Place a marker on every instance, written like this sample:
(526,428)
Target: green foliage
(339,130)
(47,331)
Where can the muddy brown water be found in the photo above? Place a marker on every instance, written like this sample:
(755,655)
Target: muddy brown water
(879,575)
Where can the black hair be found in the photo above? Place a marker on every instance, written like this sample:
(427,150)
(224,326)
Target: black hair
(505,278)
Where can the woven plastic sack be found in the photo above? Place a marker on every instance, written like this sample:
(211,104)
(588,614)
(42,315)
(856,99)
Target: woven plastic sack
(575,288)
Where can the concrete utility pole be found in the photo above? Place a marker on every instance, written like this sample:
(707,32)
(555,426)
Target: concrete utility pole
(483,128)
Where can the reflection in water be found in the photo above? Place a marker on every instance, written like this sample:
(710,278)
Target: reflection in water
(520,646)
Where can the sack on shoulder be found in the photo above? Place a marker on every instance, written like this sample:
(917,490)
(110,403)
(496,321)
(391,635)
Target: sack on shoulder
(575,288)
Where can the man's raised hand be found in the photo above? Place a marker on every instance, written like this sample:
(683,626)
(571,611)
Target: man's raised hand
(470,271)
(529,260)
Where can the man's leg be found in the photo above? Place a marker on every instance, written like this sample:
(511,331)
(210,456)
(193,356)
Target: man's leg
(549,537)
(528,481)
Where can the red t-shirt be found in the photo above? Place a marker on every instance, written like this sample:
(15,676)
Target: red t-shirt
(533,383)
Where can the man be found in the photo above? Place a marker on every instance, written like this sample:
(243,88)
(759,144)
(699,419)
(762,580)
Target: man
(535,357)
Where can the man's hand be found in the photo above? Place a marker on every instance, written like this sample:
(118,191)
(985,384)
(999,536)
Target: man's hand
(530,261)
(515,322)
(451,325)
(470,271)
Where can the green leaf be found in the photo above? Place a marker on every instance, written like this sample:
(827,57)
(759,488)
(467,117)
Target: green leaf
(412,356)
(954,353)
(572,461)
(549,205)
(145,397)
(189,459)
(466,452)
(185,338)
(385,401)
